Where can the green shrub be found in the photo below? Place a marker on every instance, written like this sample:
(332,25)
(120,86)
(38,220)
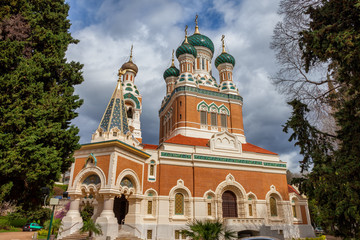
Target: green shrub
(43,232)
(18,222)
(4,223)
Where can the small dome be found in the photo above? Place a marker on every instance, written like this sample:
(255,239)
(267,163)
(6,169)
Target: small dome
(171,72)
(202,41)
(186,48)
(131,66)
(224,58)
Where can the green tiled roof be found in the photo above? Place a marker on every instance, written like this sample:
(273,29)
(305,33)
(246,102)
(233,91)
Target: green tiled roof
(171,72)
(224,58)
(201,40)
(186,48)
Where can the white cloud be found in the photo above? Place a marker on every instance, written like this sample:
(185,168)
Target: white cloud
(155,28)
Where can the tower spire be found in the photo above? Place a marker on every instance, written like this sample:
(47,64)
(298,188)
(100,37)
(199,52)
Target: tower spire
(186,40)
(223,43)
(196,25)
(172,60)
(131,52)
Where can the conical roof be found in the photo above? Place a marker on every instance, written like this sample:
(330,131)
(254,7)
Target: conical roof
(115,113)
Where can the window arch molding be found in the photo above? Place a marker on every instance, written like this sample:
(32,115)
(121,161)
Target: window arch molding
(251,202)
(150,203)
(274,197)
(180,188)
(224,110)
(130,174)
(202,106)
(83,174)
(295,207)
(230,184)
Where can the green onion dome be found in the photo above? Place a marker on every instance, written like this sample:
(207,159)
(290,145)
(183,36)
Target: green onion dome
(224,58)
(186,48)
(202,41)
(171,72)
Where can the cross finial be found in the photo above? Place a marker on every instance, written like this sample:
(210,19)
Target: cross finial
(223,43)
(196,25)
(186,27)
(131,52)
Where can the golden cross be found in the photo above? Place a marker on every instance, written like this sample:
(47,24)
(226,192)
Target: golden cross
(186,27)
(196,17)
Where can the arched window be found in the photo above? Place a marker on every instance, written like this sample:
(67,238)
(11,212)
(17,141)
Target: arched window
(203,63)
(130,112)
(213,119)
(223,119)
(179,204)
(229,205)
(273,207)
(203,117)
(152,171)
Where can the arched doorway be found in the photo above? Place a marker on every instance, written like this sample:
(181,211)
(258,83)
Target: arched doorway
(229,206)
(121,208)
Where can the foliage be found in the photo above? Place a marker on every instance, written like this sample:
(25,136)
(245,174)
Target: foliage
(58,191)
(4,223)
(62,186)
(87,212)
(332,183)
(91,227)
(208,230)
(42,232)
(37,101)
(18,222)
(55,226)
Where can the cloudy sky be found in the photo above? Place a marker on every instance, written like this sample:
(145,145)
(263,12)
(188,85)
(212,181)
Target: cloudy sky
(106,29)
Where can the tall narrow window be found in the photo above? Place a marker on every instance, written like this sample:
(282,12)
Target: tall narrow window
(179,204)
(177,234)
(250,210)
(188,65)
(202,63)
(151,170)
(223,118)
(149,234)
(149,207)
(209,209)
(294,211)
(273,207)
(213,119)
(203,117)
(229,206)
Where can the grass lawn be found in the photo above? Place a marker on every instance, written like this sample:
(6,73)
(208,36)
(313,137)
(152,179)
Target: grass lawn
(12,229)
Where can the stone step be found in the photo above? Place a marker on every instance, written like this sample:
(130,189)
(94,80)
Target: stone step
(77,236)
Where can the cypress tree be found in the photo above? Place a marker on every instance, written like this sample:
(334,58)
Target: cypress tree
(37,101)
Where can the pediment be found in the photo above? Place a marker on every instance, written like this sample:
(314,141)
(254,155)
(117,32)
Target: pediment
(225,141)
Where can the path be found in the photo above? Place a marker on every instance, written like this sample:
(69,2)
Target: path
(16,235)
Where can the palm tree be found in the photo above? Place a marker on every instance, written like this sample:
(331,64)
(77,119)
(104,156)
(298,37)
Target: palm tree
(91,227)
(208,230)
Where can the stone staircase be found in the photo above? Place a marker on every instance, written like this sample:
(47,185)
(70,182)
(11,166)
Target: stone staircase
(124,235)
(76,236)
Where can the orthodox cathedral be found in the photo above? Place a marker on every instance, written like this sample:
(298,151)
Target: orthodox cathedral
(202,169)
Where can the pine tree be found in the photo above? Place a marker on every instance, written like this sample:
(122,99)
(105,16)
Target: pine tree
(333,182)
(37,101)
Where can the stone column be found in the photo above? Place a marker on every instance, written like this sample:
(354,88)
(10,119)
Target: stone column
(72,222)
(107,220)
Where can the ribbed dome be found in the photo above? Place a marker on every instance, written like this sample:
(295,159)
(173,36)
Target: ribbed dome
(130,65)
(224,58)
(186,48)
(201,40)
(171,72)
